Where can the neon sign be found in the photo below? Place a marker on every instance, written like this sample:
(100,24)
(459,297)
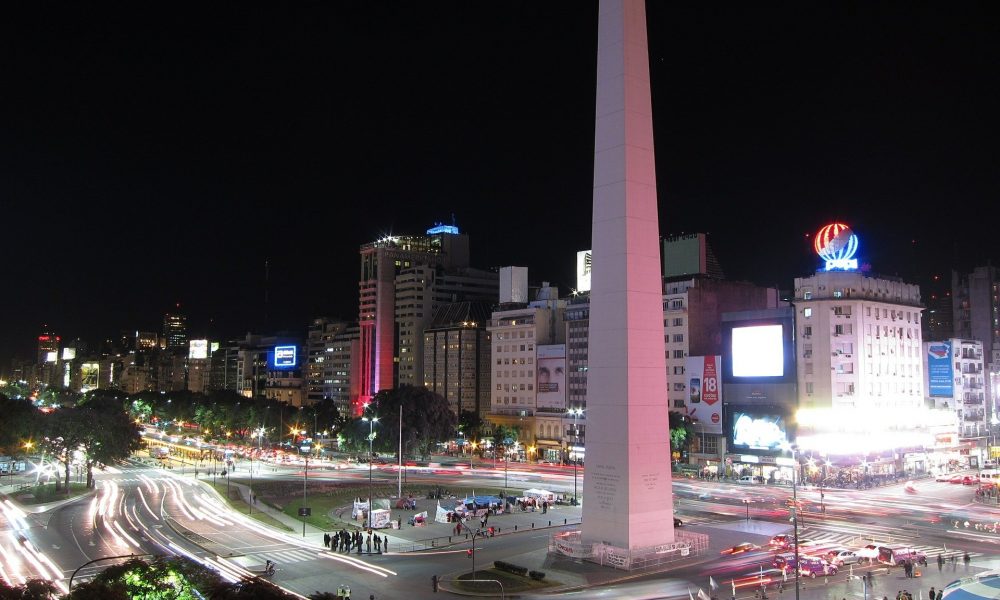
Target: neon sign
(837,245)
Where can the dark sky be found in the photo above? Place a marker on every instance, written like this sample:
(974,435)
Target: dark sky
(160,153)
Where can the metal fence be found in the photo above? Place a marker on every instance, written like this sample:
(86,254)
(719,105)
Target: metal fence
(686,545)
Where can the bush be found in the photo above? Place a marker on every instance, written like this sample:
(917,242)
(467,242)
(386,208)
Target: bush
(506,566)
(536,575)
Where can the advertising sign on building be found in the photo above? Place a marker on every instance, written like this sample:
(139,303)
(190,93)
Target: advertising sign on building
(704,387)
(284,357)
(583,264)
(940,374)
(89,373)
(550,390)
(198,349)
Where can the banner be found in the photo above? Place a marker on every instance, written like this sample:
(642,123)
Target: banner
(704,392)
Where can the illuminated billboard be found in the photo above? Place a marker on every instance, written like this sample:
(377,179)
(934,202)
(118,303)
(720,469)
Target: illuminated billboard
(214,346)
(51,356)
(89,373)
(836,244)
(704,392)
(285,357)
(761,428)
(198,349)
(584,259)
(940,370)
(758,347)
(68,353)
(551,383)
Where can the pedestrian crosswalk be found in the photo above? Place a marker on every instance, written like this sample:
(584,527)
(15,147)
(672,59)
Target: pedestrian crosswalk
(289,556)
(827,539)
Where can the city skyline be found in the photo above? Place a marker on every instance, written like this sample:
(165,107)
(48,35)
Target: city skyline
(157,159)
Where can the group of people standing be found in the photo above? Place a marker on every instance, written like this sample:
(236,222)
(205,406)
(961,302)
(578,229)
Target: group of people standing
(344,541)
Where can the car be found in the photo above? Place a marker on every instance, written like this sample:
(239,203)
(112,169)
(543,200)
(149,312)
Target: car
(678,522)
(750,479)
(810,566)
(842,557)
(943,477)
(955,479)
(741,548)
(781,541)
(783,561)
(970,480)
(869,552)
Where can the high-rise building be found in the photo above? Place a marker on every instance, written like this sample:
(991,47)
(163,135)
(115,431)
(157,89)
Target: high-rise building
(976,310)
(456,356)
(523,336)
(331,365)
(381,262)
(420,290)
(175,331)
(690,255)
(858,340)
(48,348)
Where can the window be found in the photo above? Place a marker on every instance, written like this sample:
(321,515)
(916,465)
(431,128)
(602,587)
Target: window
(678,321)
(807,331)
(678,337)
(809,388)
(807,312)
(678,354)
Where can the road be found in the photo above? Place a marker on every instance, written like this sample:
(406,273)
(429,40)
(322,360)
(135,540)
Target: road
(141,509)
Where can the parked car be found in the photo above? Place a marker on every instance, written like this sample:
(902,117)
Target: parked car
(811,566)
(842,557)
(750,479)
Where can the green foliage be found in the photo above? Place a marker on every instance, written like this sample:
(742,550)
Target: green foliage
(681,431)
(427,420)
(162,579)
(32,589)
(511,568)
(21,422)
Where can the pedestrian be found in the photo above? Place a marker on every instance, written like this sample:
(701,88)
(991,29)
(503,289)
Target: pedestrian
(940,594)
(369,542)
(940,562)
(931,593)
(326,540)
(385,543)
(966,558)
(378,544)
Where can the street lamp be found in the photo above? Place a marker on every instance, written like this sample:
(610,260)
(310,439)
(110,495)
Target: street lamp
(747,501)
(304,512)
(576,412)
(795,510)
(371,438)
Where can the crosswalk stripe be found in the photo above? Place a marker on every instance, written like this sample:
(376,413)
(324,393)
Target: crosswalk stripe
(849,540)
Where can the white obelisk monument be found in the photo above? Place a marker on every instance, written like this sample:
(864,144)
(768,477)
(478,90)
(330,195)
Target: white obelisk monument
(628,502)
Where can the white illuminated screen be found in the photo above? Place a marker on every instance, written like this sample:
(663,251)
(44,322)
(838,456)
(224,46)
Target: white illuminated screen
(758,351)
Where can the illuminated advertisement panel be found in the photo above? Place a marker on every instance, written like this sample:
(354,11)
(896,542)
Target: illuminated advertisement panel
(940,373)
(583,264)
(704,392)
(759,350)
(51,357)
(89,376)
(551,384)
(198,349)
(68,353)
(757,428)
(285,357)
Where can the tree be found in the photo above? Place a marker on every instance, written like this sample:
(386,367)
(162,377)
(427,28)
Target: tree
(681,431)
(162,578)
(21,421)
(427,419)
(64,430)
(32,589)
(112,436)
(470,424)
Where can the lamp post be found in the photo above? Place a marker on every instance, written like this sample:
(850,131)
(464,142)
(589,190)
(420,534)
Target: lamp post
(371,438)
(305,478)
(795,510)
(746,501)
(576,412)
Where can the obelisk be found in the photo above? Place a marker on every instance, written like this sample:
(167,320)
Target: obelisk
(628,500)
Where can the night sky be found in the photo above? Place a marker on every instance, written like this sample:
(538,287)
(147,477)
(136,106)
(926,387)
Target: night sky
(156,154)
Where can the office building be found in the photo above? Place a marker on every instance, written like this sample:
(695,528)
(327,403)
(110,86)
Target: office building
(457,354)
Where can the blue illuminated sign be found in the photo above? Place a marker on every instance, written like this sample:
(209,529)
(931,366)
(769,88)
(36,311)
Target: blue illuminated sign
(940,375)
(439,228)
(284,357)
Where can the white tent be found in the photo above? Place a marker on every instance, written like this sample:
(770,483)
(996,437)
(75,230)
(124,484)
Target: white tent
(442,514)
(380,518)
(540,495)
